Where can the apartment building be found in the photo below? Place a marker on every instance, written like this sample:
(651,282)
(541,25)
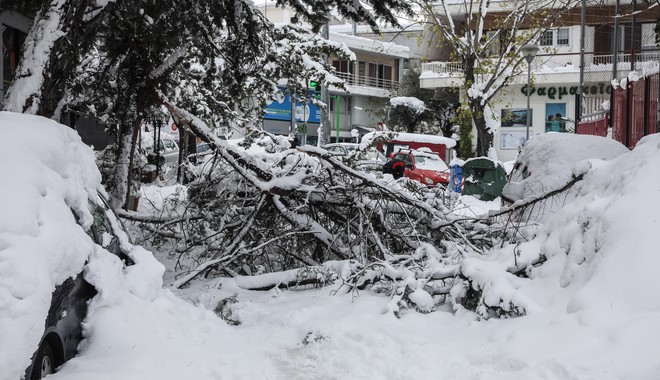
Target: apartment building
(370,80)
(556,73)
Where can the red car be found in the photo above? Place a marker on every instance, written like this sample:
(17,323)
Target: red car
(423,166)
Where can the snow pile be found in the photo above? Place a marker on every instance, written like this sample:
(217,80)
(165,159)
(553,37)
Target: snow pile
(593,264)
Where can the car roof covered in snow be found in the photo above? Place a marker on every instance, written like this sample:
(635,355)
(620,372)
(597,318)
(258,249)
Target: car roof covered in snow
(546,162)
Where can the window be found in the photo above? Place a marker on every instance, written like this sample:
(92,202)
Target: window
(562,36)
(101,228)
(169,145)
(362,69)
(494,46)
(558,37)
(546,38)
(344,104)
(375,74)
(342,66)
(344,70)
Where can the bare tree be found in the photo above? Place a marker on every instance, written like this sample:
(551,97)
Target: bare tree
(486,37)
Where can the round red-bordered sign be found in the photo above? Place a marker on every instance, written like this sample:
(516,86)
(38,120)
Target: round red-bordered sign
(174,126)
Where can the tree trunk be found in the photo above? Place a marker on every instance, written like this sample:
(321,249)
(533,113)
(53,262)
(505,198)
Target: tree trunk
(484,136)
(129,175)
(122,164)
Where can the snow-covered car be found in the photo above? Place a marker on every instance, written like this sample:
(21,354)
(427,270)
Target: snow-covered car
(68,306)
(367,159)
(342,149)
(546,162)
(54,220)
(169,150)
(423,166)
(201,150)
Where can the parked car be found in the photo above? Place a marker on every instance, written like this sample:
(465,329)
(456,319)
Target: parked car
(342,149)
(423,166)
(546,162)
(391,142)
(169,150)
(369,159)
(54,222)
(68,306)
(201,150)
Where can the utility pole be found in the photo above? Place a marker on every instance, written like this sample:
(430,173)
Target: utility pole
(633,36)
(324,130)
(615,60)
(615,42)
(580,97)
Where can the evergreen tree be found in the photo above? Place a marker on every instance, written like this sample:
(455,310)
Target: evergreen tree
(217,59)
(441,105)
(61,31)
(409,114)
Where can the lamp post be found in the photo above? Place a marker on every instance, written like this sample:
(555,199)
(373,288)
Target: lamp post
(529,52)
(156,123)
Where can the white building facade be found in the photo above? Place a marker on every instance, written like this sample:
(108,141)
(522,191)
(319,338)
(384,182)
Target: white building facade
(556,77)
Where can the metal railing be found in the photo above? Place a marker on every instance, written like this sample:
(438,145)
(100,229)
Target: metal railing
(444,68)
(366,81)
(642,56)
(592,62)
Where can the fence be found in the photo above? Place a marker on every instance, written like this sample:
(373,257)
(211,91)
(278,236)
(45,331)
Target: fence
(633,112)
(595,127)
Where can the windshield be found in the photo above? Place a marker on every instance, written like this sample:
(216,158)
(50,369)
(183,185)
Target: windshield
(430,162)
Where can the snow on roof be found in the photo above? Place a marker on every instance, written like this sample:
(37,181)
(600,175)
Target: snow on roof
(411,137)
(370,45)
(347,28)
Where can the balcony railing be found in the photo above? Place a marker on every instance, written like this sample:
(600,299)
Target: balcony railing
(559,61)
(643,56)
(443,68)
(365,81)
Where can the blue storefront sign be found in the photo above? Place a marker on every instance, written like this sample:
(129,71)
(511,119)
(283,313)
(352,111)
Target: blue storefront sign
(280,109)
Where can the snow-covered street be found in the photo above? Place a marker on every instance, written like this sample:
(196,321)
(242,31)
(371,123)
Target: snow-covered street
(595,310)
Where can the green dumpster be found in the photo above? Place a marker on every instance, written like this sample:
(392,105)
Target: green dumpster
(484,178)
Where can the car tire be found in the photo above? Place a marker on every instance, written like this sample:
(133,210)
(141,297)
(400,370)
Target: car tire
(44,363)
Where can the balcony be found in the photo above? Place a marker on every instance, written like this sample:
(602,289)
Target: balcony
(366,85)
(642,59)
(547,68)
(441,74)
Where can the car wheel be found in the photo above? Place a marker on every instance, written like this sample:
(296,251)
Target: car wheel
(44,363)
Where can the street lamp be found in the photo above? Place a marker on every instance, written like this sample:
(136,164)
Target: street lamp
(156,123)
(529,52)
